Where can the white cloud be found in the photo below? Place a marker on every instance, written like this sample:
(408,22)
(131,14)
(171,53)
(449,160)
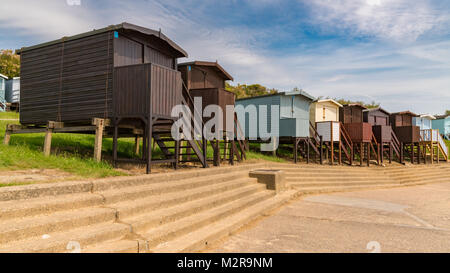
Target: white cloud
(402,77)
(402,20)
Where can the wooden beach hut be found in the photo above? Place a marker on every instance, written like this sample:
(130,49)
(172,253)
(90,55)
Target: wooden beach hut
(382,130)
(442,123)
(407,133)
(360,132)
(324,117)
(121,81)
(12,94)
(431,139)
(292,125)
(206,80)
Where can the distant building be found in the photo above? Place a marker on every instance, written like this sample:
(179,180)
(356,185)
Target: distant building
(3,79)
(442,123)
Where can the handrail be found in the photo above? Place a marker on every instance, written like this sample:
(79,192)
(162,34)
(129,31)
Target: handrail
(204,143)
(346,135)
(315,133)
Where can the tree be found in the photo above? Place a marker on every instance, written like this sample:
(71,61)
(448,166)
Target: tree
(447,112)
(253,90)
(9,63)
(370,105)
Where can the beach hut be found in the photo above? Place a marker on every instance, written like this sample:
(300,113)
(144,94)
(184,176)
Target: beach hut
(382,130)
(206,80)
(3,79)
(442,123)
(324,117)
(13,93)
(431,138)
(292,125)
(360,132)
(125,75)
(424,121)
(407,133)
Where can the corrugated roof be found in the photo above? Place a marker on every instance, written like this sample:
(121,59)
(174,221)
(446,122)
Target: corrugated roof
(427,116)
(406,113)
(377,109)
(330,100)
(217,66)
(285,93)
(124,25)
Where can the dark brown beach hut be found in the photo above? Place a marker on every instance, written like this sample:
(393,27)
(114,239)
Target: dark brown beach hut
(207,80)
(360,132)
(125,75)
(407,133)
(382,130)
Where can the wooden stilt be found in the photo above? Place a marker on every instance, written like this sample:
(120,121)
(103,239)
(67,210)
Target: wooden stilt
(137,144)
(149,141)
(368,154)
(295,152)
(7,135)
(418,154)
(51,125)
(361,154)
(177,154)
(381,151)
(412,153)
(321,150)
(340,153)
(99,127)
(390,152)
(115,137)
(432,153)
(307,151)
(48,141)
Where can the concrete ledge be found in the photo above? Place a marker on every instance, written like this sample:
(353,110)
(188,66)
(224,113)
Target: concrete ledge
(274,179)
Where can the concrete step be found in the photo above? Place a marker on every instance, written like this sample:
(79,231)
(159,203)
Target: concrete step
(18,229)
(117,183)
(421,175)
(142,205)
(196,241)
(172,230)
(120,246)
(152,219)
(142,191)
(40,190)
(58,241)
(48,204)
(425,181)
(320,178)
(329,189)
(301,185)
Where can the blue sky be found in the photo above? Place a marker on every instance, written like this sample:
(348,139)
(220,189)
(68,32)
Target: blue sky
(396,52)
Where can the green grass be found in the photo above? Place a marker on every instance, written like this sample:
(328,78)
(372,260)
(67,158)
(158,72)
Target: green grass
(9,115)
(73,153)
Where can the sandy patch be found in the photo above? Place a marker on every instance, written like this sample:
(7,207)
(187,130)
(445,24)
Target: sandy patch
(33,175)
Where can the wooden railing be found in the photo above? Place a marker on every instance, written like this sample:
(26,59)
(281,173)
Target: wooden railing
(199,147)
(348,143)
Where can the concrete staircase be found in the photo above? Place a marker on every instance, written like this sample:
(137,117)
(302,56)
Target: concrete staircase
(175,212)
(314,179)
(180,211)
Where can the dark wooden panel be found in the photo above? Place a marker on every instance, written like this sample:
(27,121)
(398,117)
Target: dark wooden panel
(153,56)
(383,133)
(359,132)
(166,90)
(70,82)
(127,52)
(408,134)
